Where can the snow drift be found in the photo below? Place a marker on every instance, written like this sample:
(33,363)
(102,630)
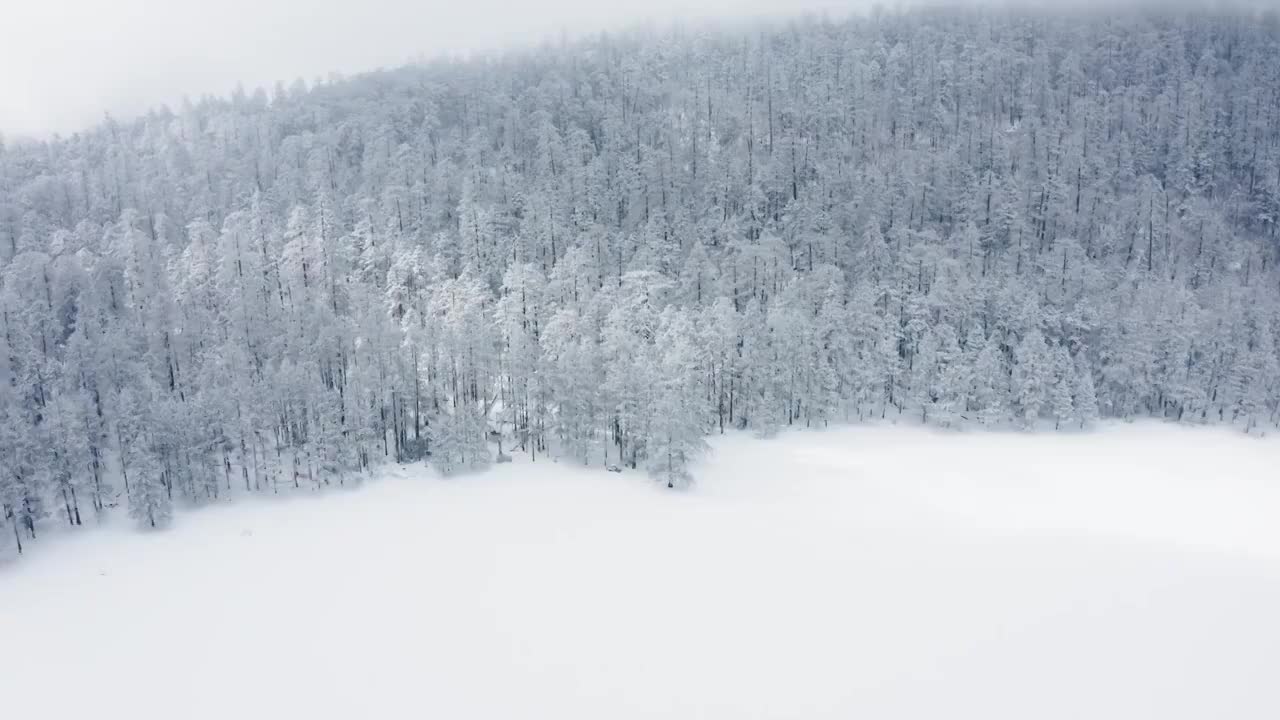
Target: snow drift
(872,572)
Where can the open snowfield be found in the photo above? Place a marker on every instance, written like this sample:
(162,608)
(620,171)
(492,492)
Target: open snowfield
(856,573)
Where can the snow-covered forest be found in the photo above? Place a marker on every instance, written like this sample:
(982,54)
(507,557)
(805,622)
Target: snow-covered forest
(606,249)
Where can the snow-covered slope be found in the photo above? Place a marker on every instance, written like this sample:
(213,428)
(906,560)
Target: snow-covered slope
(874,572)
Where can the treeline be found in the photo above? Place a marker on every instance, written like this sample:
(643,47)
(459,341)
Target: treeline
(608,249)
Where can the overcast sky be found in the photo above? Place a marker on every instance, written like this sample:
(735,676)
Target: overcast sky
(63,63)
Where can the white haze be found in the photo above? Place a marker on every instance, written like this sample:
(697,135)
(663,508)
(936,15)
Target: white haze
(63,63)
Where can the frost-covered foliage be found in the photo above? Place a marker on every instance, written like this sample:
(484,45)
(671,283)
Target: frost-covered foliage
(605,250)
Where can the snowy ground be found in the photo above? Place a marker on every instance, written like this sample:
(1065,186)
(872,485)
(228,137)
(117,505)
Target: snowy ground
(872,572)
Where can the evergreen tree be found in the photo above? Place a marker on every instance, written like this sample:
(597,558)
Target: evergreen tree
(868,217)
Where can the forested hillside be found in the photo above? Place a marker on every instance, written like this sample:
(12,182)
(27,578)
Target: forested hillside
(605,250)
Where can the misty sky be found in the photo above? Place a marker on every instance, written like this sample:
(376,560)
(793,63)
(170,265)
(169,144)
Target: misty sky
(63,63)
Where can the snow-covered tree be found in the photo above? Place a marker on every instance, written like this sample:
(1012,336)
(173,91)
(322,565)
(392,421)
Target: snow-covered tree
(604,249)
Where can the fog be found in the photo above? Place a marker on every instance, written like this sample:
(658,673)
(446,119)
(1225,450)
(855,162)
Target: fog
(64,63)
